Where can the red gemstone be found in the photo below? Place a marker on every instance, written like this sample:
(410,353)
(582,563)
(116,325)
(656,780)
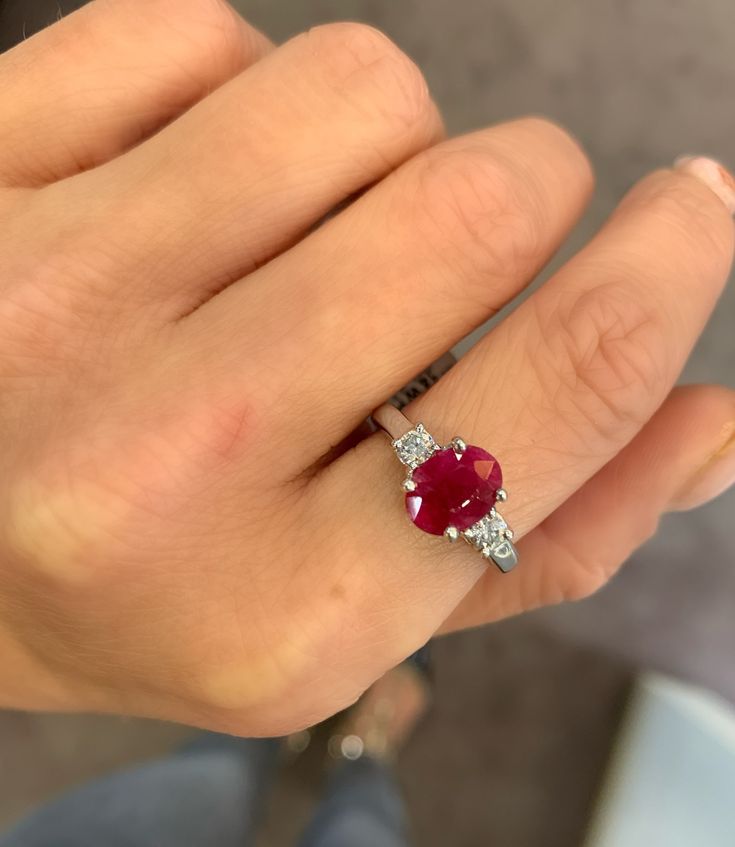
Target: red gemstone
(454,489)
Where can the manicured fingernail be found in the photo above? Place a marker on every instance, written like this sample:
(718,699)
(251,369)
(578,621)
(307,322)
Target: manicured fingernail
(714,175)
(714,477)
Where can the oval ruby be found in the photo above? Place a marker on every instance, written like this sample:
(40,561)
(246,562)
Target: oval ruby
(454,489)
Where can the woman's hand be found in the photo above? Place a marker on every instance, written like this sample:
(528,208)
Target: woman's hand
(177,356)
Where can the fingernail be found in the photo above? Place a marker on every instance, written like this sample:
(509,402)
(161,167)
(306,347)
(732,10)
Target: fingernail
(714,477)
(714,175)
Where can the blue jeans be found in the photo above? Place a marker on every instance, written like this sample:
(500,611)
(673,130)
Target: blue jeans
(209,795)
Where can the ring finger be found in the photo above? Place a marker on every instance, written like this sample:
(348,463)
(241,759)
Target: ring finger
(555,391)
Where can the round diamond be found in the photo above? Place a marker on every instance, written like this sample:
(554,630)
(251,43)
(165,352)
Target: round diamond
(415,447)
(454,489)
(487,531)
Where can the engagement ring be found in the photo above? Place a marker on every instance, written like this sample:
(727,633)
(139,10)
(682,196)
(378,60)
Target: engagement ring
(451,490)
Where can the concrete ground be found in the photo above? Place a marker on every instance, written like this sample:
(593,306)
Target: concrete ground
(525,709)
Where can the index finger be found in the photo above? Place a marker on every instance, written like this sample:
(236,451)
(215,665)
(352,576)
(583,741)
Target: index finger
(81,91)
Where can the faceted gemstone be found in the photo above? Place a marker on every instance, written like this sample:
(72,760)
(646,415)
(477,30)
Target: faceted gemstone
(487,531)
(453,489)
(415,446)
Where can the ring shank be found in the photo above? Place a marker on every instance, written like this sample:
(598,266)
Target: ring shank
(392,421)
(389,416)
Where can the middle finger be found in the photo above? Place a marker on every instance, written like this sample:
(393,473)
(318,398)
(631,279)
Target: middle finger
(247,170)
(370,299)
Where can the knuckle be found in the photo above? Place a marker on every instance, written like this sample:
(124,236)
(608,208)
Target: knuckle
(225,688)
(472,209)
(582,579)
(264,693)
(607,350)
(560,142)
(208,16)
(541,125)
(208,37)
(215,28)
(578,573)
(55,529)
(585,571)
(348,49)
(42,326)
(695,216)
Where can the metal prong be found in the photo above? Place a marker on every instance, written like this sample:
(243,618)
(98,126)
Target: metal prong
(508,533)
(486,553)
(451,533)
(409,484)
(502,495)
(458,445)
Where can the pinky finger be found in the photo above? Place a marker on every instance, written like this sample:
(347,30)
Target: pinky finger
(684,457)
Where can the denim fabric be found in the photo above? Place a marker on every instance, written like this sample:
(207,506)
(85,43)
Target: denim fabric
(210,795)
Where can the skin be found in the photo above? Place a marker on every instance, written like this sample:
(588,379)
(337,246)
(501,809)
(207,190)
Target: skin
(179,350)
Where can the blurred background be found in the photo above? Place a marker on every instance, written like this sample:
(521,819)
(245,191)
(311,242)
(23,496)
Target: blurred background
(528,713)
